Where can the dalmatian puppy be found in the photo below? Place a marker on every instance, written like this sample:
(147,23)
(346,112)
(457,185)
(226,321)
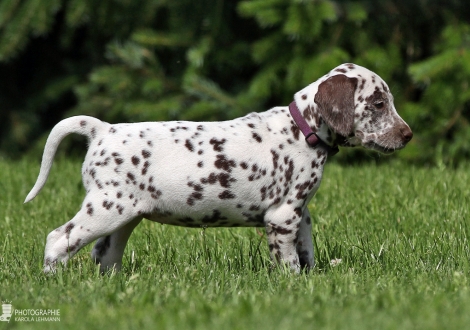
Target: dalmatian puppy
(260,170)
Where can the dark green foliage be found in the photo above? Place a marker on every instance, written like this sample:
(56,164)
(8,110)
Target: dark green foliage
(123,60)
(444,79)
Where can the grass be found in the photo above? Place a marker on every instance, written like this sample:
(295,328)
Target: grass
(401,233)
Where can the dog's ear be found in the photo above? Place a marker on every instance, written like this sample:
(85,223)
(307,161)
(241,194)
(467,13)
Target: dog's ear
(335,100)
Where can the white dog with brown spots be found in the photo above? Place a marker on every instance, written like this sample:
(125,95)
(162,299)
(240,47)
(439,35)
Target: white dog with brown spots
(260,170)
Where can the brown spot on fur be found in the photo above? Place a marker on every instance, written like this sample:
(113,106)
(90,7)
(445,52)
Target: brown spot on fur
(256,137)
(295,131)
(275,158)
(226,194)
(72,248)
(68,229)
(223,163)
(135,160)
(224,179)
(189,145)
(145,167)
(89,209)
(107,205)
(98,184)
(282,230)
(218,144)
(120,208)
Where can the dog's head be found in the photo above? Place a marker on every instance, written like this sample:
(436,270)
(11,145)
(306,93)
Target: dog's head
(356,105)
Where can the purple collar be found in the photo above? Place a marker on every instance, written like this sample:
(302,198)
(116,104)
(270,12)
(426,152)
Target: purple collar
(310,136)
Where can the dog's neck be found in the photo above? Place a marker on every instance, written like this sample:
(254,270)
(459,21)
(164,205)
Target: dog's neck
(311,132)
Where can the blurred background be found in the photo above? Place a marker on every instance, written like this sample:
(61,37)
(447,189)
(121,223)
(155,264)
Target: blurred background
(152,60)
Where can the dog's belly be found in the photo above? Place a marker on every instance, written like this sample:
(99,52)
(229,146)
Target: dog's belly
(215,218)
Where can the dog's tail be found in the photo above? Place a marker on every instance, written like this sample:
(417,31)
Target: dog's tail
(83,125)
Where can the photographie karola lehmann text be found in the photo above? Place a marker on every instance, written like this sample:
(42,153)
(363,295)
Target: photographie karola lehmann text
(36,315)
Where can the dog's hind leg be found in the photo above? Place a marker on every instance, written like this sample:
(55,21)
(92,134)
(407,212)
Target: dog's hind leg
(109,249)
(90,223)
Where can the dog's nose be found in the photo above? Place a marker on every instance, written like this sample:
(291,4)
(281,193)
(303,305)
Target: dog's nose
(407,134)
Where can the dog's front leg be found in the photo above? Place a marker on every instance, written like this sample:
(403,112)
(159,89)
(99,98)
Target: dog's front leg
(282,228)
(304,242)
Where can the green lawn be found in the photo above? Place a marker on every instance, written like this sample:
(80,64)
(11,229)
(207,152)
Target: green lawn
(401,233)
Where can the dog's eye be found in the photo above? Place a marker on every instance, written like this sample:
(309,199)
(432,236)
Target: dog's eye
(379,105)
